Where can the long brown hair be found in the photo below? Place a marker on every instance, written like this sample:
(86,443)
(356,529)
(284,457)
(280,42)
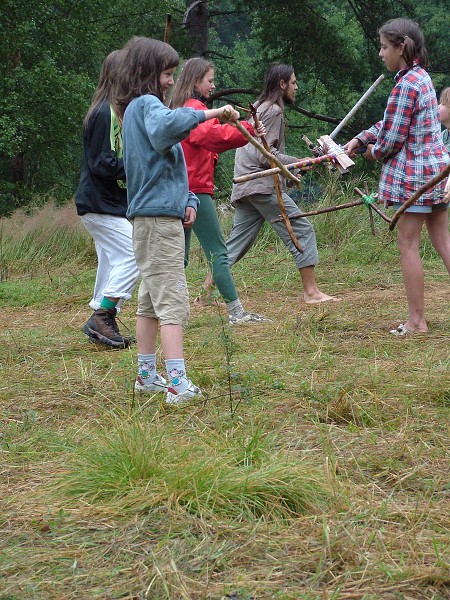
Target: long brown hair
(407,32)
(271,91)
(106,82)
(193,71)
(143,60)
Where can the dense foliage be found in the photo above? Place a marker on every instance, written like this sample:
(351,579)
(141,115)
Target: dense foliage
(51,52)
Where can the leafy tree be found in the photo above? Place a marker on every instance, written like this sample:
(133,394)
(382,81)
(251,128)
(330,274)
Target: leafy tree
(334,46)
(51,52)
(50,56)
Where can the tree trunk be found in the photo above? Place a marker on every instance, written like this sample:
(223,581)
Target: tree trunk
(196,20)
(18,168)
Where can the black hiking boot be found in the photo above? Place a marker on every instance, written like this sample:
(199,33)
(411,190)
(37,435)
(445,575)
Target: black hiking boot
(102,327)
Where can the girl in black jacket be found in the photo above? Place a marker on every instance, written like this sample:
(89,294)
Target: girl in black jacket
(101,201)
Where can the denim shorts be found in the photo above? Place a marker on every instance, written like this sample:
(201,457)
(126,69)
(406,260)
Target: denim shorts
(418,208)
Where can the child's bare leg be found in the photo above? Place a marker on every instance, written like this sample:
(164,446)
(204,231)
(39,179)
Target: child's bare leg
(172,341)
(408,236)
(146,331)
(311,293)
(437,226)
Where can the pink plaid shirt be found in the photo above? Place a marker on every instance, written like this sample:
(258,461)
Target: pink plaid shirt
(409,140)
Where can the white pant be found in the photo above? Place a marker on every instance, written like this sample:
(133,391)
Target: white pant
(117,272)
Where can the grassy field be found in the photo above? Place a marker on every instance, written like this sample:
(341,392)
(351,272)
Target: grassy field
(315,467)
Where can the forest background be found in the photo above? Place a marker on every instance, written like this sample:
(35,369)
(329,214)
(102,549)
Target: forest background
(51,52)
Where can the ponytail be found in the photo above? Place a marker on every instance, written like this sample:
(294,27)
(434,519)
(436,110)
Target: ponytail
(407,32)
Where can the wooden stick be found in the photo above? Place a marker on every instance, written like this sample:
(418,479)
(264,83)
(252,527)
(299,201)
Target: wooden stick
(372,205)
(424,188)
(317,150)
(328,209)
(329,146)
(357,106)
(372,225)
(267,154)
(303,165)
(276,180)
(321,211)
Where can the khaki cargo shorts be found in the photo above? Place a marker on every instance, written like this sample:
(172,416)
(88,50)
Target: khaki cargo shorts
(158,244)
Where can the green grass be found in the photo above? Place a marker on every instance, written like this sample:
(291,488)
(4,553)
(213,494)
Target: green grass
(316,465)
(144,466)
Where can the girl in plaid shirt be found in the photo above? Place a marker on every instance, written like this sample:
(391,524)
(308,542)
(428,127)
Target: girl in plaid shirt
(408,141)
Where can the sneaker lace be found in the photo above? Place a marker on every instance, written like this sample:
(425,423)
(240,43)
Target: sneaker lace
(116,327)
(113,325)
(110,320)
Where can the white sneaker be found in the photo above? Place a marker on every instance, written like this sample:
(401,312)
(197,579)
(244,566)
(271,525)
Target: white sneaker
(248,317)
(174,397)
(158,385)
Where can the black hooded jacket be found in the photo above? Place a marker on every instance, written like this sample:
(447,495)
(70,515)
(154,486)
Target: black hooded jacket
(99,190)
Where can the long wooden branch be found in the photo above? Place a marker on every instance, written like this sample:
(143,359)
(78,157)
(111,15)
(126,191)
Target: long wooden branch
(313,115)
(424,188)
(302,165)
(253,92)
(328,209)
(228,91)
(167,29)
(278,191)
(321,211)
(270,157)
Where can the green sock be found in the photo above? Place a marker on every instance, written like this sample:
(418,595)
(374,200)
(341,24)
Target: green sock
(106,303)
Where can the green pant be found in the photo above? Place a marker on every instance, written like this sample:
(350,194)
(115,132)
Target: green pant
(207,229)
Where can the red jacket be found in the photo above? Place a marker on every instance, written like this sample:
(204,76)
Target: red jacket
(202,146)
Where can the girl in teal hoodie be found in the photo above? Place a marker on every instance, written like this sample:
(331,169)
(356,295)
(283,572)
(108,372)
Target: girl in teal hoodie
(159,206)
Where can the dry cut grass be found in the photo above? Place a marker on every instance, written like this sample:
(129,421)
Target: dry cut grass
(316,467)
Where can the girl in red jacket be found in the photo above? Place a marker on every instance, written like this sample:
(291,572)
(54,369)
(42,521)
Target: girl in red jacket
(201,148)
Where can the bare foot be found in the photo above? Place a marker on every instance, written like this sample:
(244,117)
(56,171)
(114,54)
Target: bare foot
(203,300)
(318,297)
(421,327)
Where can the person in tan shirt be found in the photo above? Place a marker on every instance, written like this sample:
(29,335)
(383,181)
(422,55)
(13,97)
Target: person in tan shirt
(256,201)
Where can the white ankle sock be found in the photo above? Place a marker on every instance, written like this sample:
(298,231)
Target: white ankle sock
(176,373)
(147,367)
(235,308)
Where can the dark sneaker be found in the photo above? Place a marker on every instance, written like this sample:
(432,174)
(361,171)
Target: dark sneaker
(102,326)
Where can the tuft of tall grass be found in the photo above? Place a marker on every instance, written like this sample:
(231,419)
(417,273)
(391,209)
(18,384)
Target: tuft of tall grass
(48,238)
(239,476)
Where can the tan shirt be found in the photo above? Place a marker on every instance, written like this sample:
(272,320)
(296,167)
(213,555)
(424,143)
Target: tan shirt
(250,160)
